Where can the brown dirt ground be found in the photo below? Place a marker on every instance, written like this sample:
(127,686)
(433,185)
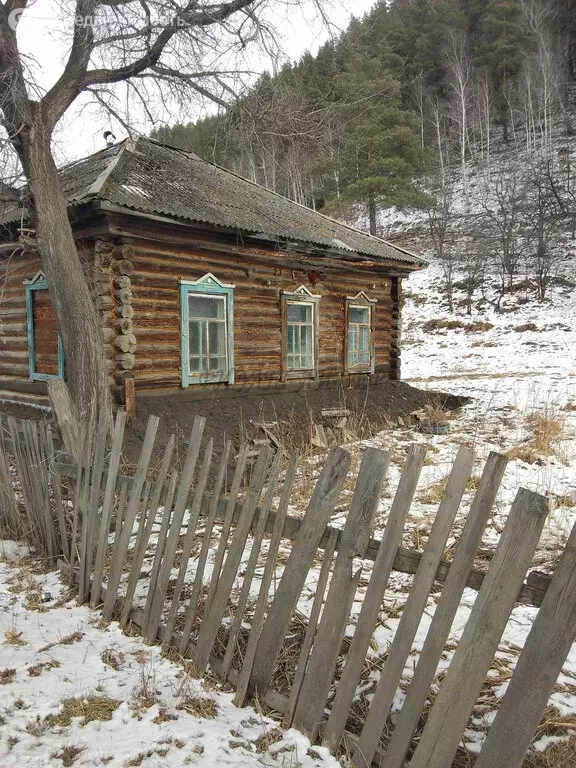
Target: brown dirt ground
(371,407)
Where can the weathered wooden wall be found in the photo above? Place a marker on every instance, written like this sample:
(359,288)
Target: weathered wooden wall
(257,312)
(14,363)
(14,353)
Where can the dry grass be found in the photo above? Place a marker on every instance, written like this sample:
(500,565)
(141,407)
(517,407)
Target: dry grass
(7,676)
(112,657)
(546,430)
(89,709)
(268,737)
(68,754)
(37,669)
(11,637)
(561,755)
(433,493)
(200,706)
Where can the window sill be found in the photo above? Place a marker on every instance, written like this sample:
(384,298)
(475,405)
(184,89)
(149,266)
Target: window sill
(307,374)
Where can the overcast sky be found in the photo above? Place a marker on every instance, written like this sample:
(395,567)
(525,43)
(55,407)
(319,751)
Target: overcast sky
(43,36)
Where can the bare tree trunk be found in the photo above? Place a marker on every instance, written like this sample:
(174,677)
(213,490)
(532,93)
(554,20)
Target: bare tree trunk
(86,373)
(372,214)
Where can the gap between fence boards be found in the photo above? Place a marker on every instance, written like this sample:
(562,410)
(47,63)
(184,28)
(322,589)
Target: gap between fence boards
(275,702)
(406,560)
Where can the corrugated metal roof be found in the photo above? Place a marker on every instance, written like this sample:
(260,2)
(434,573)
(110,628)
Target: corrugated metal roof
(146,176)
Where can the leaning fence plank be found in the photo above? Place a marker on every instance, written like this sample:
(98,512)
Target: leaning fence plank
(192,608)
(445,612)
(479,641)
(354,541)
(227,522)
(318,513)
(537,670)
(93,527)
(373,598)
(213,618)
(191,535)
(8,504)
(76,494)
(56,484)
(310,629)
(83,509)
(119,553)
(107,506)
(157,591)
(140,549)
(251,565)
(414,608)
(269,570)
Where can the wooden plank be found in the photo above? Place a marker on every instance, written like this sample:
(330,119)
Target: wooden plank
(191,535)
(83,507)
(373,598)
(63,411)
(227,522)
(76,496)
(269,570)
(157,592)
(414,608)
(192,608)
(213,617)
(8,505)
(354,541)
(318,513)
(93,521)
(310,631)
(445,612)
(160,545)
(537,670)
(240,607)
(479,641)
(119,553)
(140,549)
(56,484)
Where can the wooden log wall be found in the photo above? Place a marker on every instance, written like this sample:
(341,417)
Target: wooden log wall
(14,361)
(257,311)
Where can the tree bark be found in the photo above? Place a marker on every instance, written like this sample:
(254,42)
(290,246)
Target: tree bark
(85,364)
(372,214)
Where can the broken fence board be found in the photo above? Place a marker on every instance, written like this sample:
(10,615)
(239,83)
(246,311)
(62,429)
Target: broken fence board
(240,606)
(317,515)
(190,535)
(399,651)
(269,570)
(450,597)
(191,609)
(119,553)
(310,631)
(537,670)
(374,595)
(159,590)
(212,620)
(475,651)
(108,506)
(328,641)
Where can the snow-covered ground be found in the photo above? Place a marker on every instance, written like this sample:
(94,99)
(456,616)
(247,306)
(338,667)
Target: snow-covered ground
(75,692)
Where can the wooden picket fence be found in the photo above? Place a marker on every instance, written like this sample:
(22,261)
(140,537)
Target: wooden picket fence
(207,561)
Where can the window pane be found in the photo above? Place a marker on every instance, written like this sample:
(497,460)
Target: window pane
(299,313)
(195,337)
(217,339)
(291,340)
(364,339)
(206,306)
(360,315)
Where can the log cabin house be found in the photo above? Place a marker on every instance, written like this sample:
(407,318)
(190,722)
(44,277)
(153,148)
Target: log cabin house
(203,280)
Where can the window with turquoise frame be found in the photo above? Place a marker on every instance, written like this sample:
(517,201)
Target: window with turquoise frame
(360,353)
(207,331)
(45,350)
